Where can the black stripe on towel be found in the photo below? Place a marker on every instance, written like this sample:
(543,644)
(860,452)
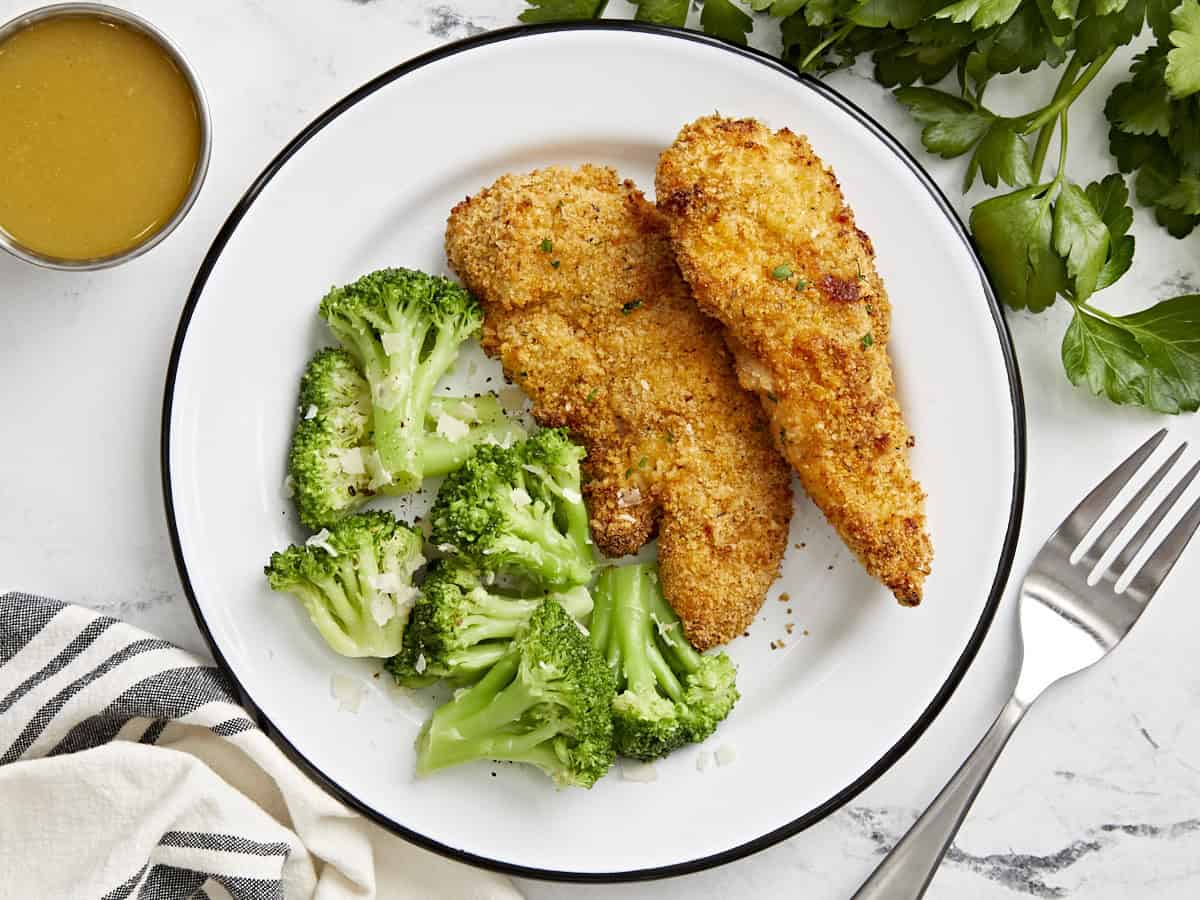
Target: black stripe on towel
(230,727)
(251,888)
(82,641)
(125,888)
(23,616)
(46,714)
(171,883)
(169,694)
(229,843)
(154,732)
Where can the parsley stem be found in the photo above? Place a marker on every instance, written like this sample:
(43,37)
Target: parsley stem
(1051,110)
(1043,141)
(1062,147)
(1098,314)
(834,38)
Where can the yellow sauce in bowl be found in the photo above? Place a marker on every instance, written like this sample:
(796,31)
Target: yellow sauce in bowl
(99,137)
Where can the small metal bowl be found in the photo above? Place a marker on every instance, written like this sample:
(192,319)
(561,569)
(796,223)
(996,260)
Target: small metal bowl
(111,13)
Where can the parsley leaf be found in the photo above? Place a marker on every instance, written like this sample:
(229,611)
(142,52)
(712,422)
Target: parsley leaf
(952,125)
(820,12)
(1081,238)
(1105,359)
(1023,42)
(1140,109)
(724,20)
(1002,155)
(1184,195)
(980,13)
(1183,61)
(561,10)
(1110,199)
(907,63)
(896,13)
(1103,25)
(1149,358)
(1169,334)
(662,12)
(1013,233)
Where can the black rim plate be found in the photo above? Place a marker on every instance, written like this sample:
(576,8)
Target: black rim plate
(897,750)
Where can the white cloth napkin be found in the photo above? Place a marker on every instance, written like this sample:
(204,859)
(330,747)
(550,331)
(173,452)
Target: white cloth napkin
(127,769)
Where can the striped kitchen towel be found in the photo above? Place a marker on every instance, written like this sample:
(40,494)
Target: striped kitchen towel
(127,769)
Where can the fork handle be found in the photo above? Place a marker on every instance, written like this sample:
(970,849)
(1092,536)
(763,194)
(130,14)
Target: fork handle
(906,872)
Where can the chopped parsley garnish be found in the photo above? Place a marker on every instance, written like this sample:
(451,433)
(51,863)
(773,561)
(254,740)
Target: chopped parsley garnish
(801,284)
(772,397)
(867,340)
(629,472)
(642,463)
(555,264)
(629,307)
(592,394)
(670,436)
(780,272)
(546,245)
(870,310)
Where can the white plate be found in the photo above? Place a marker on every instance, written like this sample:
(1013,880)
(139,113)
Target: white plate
(370,184)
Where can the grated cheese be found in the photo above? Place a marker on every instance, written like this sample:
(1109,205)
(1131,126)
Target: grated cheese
(321,539)
(642,773)
(451,428)
(351,461)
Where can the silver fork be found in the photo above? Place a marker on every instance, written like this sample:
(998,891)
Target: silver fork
(1066,625)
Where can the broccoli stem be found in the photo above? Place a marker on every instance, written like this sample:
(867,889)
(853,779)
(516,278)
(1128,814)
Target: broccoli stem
(683,654)
(476,659)
(643,662)
(439,455)
(577,601)
(498,618)
(550,553)
(475,724)
(602,616)
(397,396)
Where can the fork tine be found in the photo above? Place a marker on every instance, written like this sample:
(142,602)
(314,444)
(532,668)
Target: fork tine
(1160,563)
(1100,546)
(1126,556)
(1084,516)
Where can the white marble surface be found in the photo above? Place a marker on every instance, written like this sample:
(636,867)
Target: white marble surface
(1098,795)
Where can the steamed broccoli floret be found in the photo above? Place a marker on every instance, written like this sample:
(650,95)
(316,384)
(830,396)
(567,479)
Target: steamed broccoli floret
(519,510)
(327,465)
(334,464)
(668,694)
(355,581)
(547,701)
(460,627)
(404,329)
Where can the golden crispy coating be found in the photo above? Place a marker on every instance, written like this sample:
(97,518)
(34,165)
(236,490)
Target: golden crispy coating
(763,235)
(588,313)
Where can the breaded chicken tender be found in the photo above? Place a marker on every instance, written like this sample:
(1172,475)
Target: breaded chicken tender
(763,235)
(587,311)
